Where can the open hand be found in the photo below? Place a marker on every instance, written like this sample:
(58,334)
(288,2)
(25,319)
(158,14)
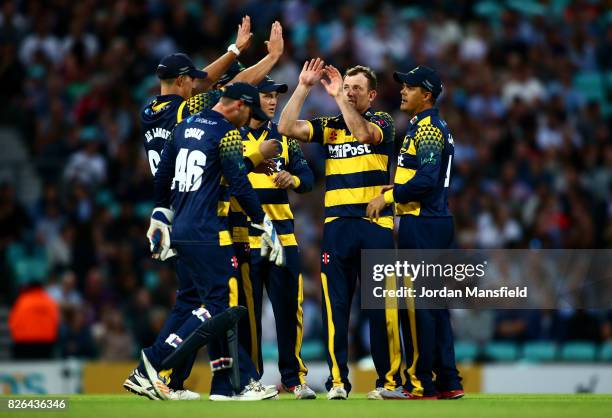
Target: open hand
(332,81)
(311,72)
(284,180)
(275,44)
(244,36)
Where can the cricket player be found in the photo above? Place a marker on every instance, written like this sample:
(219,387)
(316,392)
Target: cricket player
(358,144)
(179,79)
(204,153)
(283,284)
(420,194)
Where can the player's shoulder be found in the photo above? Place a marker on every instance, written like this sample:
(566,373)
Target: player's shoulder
(207,117)
(380,118)
(430,129)
(160,105)
(329,121)
(204,100)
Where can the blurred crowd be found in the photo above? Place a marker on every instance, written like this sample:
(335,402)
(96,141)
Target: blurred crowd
(527,95)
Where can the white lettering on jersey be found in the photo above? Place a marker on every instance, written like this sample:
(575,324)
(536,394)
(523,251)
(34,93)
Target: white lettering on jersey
(348,150)
(206,121)
(194,133)
(162,133)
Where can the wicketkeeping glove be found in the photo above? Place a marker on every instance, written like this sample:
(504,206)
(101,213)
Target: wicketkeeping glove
(271,246)
(159,233)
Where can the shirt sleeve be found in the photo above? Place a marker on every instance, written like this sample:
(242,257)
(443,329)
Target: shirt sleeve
(429,144)
(317,129)
(234,171)
(252,156)
(164,174)
(201,101)
(299,168)
(384,122)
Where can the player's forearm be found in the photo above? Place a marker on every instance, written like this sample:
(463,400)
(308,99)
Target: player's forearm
(215,70)
(255,73)
(288,122)
(359,127)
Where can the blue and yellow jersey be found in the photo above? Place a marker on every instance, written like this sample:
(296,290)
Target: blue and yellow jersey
(354,172)
(201,164)
(161,115)
(423,168)
(274,201)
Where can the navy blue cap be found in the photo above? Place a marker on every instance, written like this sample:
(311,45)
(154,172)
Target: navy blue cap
(174,65)
(234,69)
(421,76)
(248,94)
(267,85)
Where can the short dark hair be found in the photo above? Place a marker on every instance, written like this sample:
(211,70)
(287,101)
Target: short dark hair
(432,99)
(366,71)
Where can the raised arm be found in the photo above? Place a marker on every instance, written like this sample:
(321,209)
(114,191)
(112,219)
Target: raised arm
(218,67)
(289,125)
(257,72)
(362,130)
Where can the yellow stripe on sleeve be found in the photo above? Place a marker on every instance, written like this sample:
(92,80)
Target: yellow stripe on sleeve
(410,208)
(310,130)
(179,112)
(404,175)
(382,135)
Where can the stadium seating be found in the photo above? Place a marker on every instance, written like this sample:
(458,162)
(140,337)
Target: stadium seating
(605,353)
(539,351)
(466,351)
(578,351)
(501,351)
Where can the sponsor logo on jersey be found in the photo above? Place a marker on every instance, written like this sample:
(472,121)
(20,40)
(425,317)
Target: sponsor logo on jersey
(325,258)
(380,122)
(205,121)
(201,313)
(174,340)
(348,150)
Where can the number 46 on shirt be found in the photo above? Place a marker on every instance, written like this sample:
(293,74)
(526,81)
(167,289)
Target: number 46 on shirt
(188,170)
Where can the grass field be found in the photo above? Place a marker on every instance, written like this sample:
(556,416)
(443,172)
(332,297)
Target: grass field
(489,406)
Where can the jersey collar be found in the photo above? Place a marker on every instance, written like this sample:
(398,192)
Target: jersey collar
(432,111)
(163,97)
(259,131)
(368,113)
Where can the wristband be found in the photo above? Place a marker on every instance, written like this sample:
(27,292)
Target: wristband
(233,48)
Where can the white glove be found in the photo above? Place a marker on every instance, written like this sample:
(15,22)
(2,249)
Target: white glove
(159,233)
(271,246)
